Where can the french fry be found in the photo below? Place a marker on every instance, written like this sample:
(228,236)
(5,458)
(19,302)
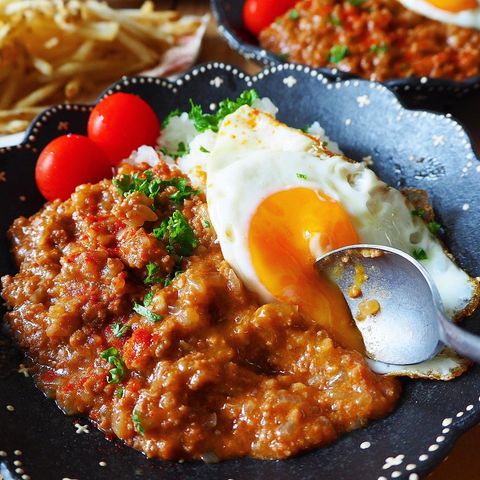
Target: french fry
(69,50)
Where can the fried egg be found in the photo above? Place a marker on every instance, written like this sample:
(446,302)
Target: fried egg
(464,13)
(278,200)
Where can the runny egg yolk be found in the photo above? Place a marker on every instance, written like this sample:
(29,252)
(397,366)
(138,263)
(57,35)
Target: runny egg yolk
(287,233)
(454,5)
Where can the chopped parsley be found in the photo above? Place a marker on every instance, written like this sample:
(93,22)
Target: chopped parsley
(418,213)
(334,20)
(180,236)
(150,185)
(183,192)
(356,3)
(434,227)
(137,424)
(204,150)
(119,392)
(173,113)
(283,56)
(293,14)
(206,224)
(211,121)
(338,53)
(119,330)
(152,274)
(379,48)
(182,150)
(148,298)
(419,254)
(302,176)
(116,373)
(145,182)
(145,312)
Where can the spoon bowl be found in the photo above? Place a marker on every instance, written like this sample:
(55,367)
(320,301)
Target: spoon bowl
(395,304)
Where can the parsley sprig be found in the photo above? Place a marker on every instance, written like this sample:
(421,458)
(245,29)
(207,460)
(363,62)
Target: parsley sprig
(419,254)
(137,424)
(338,53)
(182,150)
(112,356)
(434,227)
(154,278)
(211,121)
(145,312)
(152,274)
(180,236)
(151,186)
(120,330)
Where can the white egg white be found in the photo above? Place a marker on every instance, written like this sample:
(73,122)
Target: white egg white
(255,156)
(466,18)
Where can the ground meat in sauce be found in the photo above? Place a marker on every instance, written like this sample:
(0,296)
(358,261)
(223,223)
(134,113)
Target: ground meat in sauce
(376,39)
(219,376)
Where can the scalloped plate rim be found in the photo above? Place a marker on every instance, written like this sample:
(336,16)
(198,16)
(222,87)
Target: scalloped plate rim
(222,65)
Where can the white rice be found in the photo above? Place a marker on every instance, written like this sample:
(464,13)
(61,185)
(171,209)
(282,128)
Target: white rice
(194,164)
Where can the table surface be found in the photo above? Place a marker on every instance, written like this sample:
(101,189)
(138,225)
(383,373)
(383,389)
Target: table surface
(463,463)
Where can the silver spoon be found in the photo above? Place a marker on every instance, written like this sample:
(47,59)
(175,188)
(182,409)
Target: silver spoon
(409,325)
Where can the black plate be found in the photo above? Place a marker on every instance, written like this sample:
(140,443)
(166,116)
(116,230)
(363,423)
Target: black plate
(230,23)
(417,149)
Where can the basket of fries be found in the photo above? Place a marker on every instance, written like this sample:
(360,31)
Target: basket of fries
(54,51)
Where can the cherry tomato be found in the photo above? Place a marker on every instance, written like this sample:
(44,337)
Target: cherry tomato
(69,161)
(259,14)
(121,123)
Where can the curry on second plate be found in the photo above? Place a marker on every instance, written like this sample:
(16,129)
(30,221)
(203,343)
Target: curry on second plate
(176,303)
(375,39)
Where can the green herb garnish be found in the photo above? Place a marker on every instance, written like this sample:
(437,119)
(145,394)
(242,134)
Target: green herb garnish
(379,48)
(434,227)
(208,121)
(302,176)
(338,53)
(283,56)
(113,358)
(182,150)
(180,236)
(145,182)
(151,186)
(145,312)
(293,14)
(356,3)
(204,150)
(419,254)
(119,392)
(119,330)
(152,274)
(418,213)
(206,224)
(334,20)
(137,424)
(183,192)
(148,298)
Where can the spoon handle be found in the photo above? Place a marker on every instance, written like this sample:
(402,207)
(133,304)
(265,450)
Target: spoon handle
(462,341)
